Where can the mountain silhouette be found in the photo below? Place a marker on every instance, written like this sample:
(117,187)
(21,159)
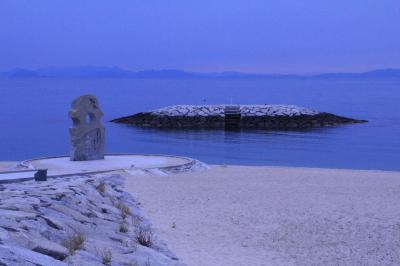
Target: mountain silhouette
(116,72)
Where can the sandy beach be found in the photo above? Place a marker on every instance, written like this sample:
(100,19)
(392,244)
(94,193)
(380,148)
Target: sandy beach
(7,165)
(239,215)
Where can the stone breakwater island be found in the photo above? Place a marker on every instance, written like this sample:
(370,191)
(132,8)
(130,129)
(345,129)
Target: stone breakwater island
(273,117)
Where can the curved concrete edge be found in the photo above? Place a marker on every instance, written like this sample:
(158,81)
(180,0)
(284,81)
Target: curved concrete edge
(22,179)
(190,166)
(18,171)
(191,163)
(15,180)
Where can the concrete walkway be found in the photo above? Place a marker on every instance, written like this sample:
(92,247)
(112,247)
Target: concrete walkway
(8,166)
(57,166)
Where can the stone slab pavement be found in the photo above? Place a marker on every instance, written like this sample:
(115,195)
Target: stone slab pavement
(60,166)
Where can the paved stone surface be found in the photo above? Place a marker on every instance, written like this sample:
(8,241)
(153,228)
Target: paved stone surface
(24,175)
(8,166)
(62,165)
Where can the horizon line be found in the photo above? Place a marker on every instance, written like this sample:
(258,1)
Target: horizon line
(199,72)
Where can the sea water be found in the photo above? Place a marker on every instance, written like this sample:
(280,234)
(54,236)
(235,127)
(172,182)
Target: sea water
(34,120)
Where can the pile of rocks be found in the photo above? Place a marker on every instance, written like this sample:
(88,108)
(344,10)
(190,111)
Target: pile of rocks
(79,220)
(276,117)
(246,110)
(190,110)
(275,110)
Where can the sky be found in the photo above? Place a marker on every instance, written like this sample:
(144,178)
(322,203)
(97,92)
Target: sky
(263,36)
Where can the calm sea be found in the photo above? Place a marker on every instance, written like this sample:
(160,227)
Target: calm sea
(34,121)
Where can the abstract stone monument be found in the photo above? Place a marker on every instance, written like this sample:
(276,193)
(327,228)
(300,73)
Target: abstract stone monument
(87,132)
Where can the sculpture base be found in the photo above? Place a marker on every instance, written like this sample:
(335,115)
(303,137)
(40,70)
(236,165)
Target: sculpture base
(89,147)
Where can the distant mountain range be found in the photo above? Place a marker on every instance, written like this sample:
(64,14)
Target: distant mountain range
(116,72)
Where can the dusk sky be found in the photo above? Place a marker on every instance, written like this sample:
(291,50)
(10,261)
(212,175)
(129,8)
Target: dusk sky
(285,36)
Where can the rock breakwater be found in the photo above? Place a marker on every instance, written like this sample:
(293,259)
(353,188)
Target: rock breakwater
(274,117)
(77,220)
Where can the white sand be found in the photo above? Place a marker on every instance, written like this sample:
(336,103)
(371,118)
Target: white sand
(275,216)
(8,165)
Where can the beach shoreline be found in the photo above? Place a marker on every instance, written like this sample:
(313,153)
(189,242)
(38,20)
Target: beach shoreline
(270,215)
(14,165)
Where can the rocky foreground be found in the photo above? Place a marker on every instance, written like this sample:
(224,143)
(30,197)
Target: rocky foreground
(79,220)
(275,117)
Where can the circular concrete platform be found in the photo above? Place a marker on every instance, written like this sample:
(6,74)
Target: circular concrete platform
(64,166)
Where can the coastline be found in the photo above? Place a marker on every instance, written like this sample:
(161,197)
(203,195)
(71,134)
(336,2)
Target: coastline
(263,215)
(239,215)
(14,165)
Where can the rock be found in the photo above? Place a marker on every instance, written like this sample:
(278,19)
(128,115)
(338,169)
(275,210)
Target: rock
(25,256)
(252,117)
(82,257)
(41,175)
(74,214)
(45,234)
(52,222)
(52,249)
(9,258)
(16,214)
(3,234)
(87,133)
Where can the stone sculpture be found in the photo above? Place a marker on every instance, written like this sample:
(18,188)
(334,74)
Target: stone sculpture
(87,132)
